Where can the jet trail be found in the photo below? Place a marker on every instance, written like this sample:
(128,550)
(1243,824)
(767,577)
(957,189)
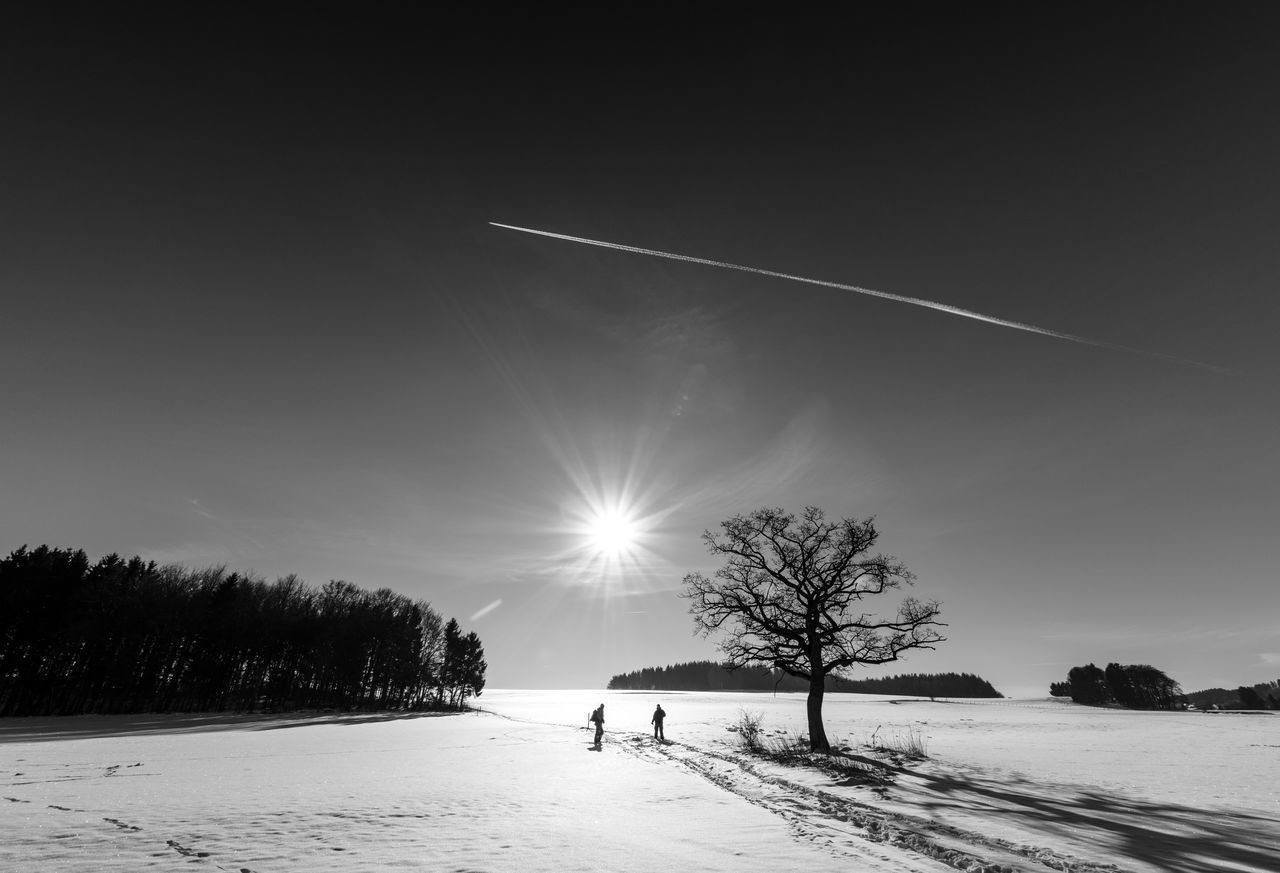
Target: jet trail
(885,295)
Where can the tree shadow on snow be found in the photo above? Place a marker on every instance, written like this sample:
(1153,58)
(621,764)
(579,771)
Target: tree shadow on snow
(76,727)
(1176,838)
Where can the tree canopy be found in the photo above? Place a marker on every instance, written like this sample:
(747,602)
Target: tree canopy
(1136,686)
(120,635)
(791,596)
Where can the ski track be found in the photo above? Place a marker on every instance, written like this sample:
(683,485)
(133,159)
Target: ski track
(848,827)
(910,815)
(845,827)
(927,816)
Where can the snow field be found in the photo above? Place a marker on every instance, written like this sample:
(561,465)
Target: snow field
(472,792)
(1010,785)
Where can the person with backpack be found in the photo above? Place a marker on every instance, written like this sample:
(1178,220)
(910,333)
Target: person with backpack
(656,721)
(597,718)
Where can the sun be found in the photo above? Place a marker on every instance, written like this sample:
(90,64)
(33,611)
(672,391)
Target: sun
(611,533)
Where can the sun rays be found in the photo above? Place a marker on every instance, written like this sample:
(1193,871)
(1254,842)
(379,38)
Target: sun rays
(612,537)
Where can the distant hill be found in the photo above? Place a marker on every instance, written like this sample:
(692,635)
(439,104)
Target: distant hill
(710,676)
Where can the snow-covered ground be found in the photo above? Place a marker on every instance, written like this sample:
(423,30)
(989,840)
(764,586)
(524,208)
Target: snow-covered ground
(1009,785)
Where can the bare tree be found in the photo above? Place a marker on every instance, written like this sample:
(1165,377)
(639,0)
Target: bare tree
(790,596)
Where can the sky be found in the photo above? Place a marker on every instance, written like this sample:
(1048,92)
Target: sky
(256,313)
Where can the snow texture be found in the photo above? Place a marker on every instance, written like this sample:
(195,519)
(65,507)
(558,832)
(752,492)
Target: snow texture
(1008,785)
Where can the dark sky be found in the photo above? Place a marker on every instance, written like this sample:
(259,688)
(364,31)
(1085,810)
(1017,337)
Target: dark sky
(254,312)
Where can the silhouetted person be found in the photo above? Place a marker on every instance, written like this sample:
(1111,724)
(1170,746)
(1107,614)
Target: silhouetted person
(656,721)
(597,718)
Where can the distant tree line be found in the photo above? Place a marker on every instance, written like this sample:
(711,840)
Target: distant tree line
(1136,686)
(121,636)
(707,676)
(711,676)
(926,685)
(1264,695)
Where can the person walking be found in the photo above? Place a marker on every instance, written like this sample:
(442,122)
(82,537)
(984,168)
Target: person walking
(597,718)
(656,721)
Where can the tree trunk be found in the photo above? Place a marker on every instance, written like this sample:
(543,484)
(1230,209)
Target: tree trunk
(817,734)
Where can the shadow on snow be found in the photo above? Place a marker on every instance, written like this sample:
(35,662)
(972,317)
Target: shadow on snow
(76,727)
(1176,838)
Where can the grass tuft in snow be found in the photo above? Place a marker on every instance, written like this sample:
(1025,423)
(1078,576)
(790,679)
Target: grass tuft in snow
(787,749)
(909,743)
(792,750)
(750,734)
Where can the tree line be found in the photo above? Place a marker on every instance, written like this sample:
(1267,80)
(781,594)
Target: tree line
(1135,686)
(120,636)
(1264,695)
(712,676)
(926,685)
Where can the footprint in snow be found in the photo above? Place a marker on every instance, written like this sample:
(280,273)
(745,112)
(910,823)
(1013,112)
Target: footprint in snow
(184,851)
(122,825)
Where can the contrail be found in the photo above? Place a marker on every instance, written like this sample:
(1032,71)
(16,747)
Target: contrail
(486,610)
(885,295)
